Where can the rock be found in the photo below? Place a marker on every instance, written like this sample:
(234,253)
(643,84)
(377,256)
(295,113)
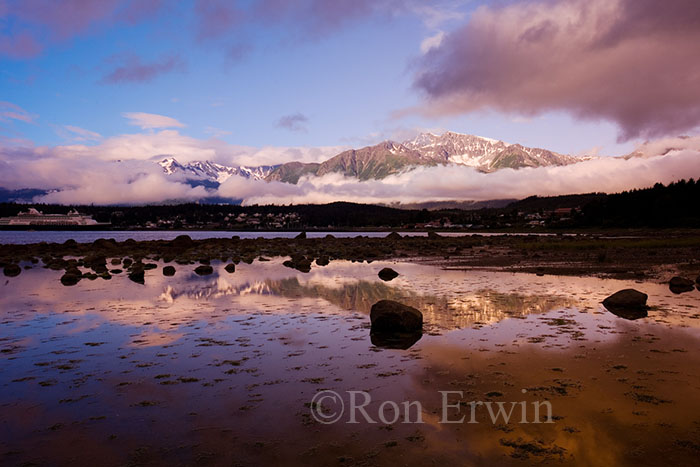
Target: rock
(116,261)
(203,270)
(169,271)
(115,271)
(394,236)
(12,270)
(148,266)
(70,278)
(128,262)
(70,243)
(298,262)
(301,236)
(388,274)
(390,316)
(182,242)
(323,260)
(697,279)
(230,268)
(137,273)
(680,284)
(627,304)
(433,235)
(104,244)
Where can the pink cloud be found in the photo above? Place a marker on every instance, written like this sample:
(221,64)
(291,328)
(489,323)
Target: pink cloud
(22,45)
(633,62)
(133,70)
(37,23)
(10,111)
(216,17)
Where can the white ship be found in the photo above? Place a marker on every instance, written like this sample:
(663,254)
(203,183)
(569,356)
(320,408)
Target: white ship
(37,219)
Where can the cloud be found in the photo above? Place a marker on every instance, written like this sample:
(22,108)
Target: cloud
(22,45)
(35,24)
(632,62)
(75,133)
(216,17)
(150,121)
(447,183)
(293,122)
(10,111)
(133,70)
(123,170)
(432,42)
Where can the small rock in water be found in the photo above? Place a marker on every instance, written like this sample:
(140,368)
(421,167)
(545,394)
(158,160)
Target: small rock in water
(182,242)
(387,274)
(230,268)
(301,236)
(627,304)
(680,284)
(137,273)
(394,236)
(168,270)
(203,270)
(70,278)
(12,270)
(298,262)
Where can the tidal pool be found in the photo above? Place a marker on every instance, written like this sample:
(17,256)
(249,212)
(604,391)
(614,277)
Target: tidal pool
(223,370)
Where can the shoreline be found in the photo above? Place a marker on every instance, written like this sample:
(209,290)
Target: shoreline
(649,257)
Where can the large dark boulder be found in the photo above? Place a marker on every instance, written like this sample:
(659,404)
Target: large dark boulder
(387,274)
(627,304)
(168,271)
(391,316)
(301,236)
(323,260)
(394,236)
(680,284)
(12,270)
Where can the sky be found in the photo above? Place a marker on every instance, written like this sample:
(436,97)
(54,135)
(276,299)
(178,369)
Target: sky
(89,82)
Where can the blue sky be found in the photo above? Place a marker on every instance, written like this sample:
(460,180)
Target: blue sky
(347,80)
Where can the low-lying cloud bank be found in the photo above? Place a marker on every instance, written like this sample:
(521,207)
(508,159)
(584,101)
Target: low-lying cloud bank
(80,179)
(445,183)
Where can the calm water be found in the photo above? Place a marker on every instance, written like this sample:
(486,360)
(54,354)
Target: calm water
(221,369)
(24,237)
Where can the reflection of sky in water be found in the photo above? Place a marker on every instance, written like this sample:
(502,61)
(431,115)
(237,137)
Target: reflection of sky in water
(225,361)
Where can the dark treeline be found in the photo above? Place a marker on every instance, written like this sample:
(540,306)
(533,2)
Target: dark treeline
(675,205)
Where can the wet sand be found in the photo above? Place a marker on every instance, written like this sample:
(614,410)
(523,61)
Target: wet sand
(221,369)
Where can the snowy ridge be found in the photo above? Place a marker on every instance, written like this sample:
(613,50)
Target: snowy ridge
(212,171)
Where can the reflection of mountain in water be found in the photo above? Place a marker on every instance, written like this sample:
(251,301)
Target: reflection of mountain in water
(466,309)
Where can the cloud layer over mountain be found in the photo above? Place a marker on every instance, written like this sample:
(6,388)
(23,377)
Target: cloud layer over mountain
(98,174)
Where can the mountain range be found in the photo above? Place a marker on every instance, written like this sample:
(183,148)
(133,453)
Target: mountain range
(383,159)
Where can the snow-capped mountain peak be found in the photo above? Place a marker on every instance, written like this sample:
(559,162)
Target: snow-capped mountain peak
(213,172)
